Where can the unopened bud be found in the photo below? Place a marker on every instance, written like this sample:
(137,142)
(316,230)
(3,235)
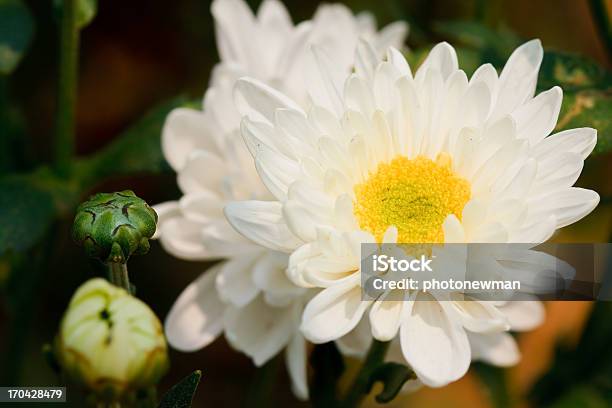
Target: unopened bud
(113,226)
(110,342)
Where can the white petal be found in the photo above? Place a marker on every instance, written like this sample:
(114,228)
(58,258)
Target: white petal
(480,317)
(569,205)
(235,280)
(498,349)
(262,222)
(366,60)
(324,81)
(196,318)
(559,174)
(256,134)
(475,105)
(523,315)
(202,207)
(276,171)
(295,356)
(436,348)
(487,74)
(385,317)
(443,58)
(184,132)
(398,61)
(259,330)
(165,211)
(538,231)
(233,25)
(536,119)
(580,141)
(334,312)
(301,220)
(518,79)
(273,14)
(258,101)
(392,35)
(357,342)
(224,241)
(183,238)
(203,171)
(296,126)
(453,230)
(358,95)
(269,275)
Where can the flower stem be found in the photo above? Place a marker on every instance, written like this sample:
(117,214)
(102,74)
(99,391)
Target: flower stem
(66,92)
(118,275)
(360,387)
(599,13)
(261,389)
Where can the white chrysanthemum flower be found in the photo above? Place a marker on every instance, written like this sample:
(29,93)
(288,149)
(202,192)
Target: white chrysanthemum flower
(249,296)
(430,158)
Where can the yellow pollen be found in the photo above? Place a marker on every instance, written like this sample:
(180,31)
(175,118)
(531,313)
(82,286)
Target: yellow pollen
(413,195)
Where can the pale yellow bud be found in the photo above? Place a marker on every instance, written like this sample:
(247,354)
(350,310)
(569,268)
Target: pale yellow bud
(110,341)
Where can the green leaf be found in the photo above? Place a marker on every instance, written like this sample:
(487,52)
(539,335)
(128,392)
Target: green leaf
(583,397)
(136,150)
(181,394)
(589,108)
(393,376)
(29,203)
(26,211)
(12,142)
(16,28)
(494,46)
(572,72)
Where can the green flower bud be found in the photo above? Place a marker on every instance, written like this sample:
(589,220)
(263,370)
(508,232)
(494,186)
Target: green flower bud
(113,226)
(110,342)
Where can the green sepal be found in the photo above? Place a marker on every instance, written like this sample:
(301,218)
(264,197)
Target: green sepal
(113,226)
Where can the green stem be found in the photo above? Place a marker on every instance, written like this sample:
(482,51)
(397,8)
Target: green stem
(118,275)
(260,390)
(66,92)
(361,385)
(599,12)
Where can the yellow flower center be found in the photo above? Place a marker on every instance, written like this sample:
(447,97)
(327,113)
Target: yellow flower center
(413,195)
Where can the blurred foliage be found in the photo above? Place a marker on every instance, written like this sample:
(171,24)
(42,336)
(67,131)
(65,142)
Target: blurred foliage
(30,202)
(592,108)
(16,28)
(26,211)
(581,376)
(493,46)
(86,11)
(572,72)
(587,86)
(494,378)
(136,150)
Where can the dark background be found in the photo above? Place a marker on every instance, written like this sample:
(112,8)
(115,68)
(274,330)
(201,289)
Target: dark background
(137,54)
